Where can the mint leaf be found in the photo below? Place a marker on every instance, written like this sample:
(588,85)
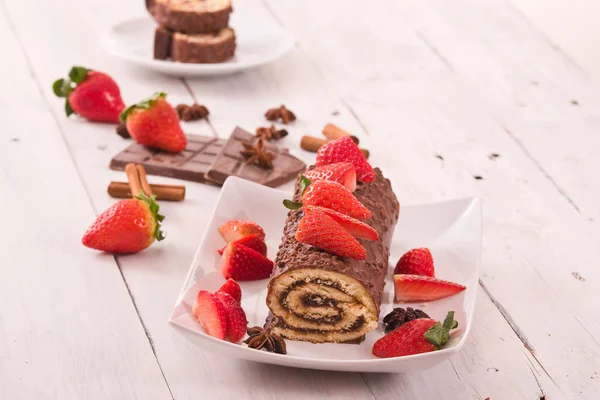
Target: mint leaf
(439,334)
(292,205)
(304,183)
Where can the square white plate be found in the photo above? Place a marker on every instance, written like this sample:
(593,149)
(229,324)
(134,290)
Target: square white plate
(451,229)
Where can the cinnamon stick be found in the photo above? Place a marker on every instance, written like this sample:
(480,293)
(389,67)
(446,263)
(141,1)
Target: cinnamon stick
(144,180)
(332,132)
(121,190)
(133,177)
(312,144)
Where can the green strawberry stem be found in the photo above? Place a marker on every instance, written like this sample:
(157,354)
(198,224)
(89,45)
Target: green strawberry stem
(154,207)
(144,104)
(294,205)
(439,334)
(64,87)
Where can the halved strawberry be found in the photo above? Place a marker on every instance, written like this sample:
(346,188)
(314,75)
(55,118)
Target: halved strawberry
(423,288)
(416,262)
(244,264)
(255,242)
(417,336)
(318,229)
(343,173)
(236,317)
(356,228)
(211,313)
(330,195)
(345,150)
(237,229)
(233,289)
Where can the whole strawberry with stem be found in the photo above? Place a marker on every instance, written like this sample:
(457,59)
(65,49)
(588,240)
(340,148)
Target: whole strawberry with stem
(92,94)
(128,226)
(154,123)
(345,150)
(421,335)
(329,194)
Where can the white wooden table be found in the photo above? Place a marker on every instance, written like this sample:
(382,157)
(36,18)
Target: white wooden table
(432,88)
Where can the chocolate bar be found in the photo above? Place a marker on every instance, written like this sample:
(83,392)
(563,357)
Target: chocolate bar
(190,164)
(320,297)
(230,162)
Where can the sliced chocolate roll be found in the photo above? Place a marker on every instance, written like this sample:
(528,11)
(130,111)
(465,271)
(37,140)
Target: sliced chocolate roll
(191,16)
(319,297)
(205,48)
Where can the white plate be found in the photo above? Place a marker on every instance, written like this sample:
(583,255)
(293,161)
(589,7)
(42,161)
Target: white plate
(452,230)
(258,42)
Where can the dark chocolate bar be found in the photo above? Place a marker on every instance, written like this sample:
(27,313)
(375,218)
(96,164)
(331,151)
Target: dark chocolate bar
(320,297)
(230,162)
(190,164)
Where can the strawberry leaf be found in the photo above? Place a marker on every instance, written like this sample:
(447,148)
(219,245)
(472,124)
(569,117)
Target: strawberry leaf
(78,74)
(439,334)
(154,207)
(62,87)
(144,104)
(68,109)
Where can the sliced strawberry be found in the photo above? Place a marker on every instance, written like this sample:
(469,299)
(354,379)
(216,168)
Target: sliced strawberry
(343,173)
(244,264)
(211,313)
(416,262)
(318,229)
(237,229)
(345,150)
(233,289)
(356,228)
(417,336)
(423,288)
(236,317)
(255,242)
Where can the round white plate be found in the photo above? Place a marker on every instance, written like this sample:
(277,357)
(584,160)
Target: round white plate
(258,43)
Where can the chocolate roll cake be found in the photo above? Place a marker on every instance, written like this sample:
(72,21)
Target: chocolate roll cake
(191,16)
(202,48)
(320,297)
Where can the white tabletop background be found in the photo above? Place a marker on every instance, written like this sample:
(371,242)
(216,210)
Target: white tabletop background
(432,88)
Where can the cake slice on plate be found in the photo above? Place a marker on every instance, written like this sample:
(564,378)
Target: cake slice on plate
(191,16)
(197,48)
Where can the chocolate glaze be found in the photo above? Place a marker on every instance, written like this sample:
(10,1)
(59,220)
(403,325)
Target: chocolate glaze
(379,198)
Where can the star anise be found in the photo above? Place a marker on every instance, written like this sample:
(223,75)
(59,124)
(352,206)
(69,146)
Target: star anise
(282,113)
(261,338)
(269,133)
(257,154)
(400,316)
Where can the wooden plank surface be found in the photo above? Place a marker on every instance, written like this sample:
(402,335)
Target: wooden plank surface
(413,82)
(68,328)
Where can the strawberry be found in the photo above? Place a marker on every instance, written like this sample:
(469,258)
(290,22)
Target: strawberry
(417,336)
(318,229)
(330,195)
(423,288)
(255,242)
(128,226)
(416,262)
(211,314)
(233,289)
(244,264)
(237,229)
(92,94)
(343,173)
(236,317)
(153,122)
(356,228)
(344,149)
